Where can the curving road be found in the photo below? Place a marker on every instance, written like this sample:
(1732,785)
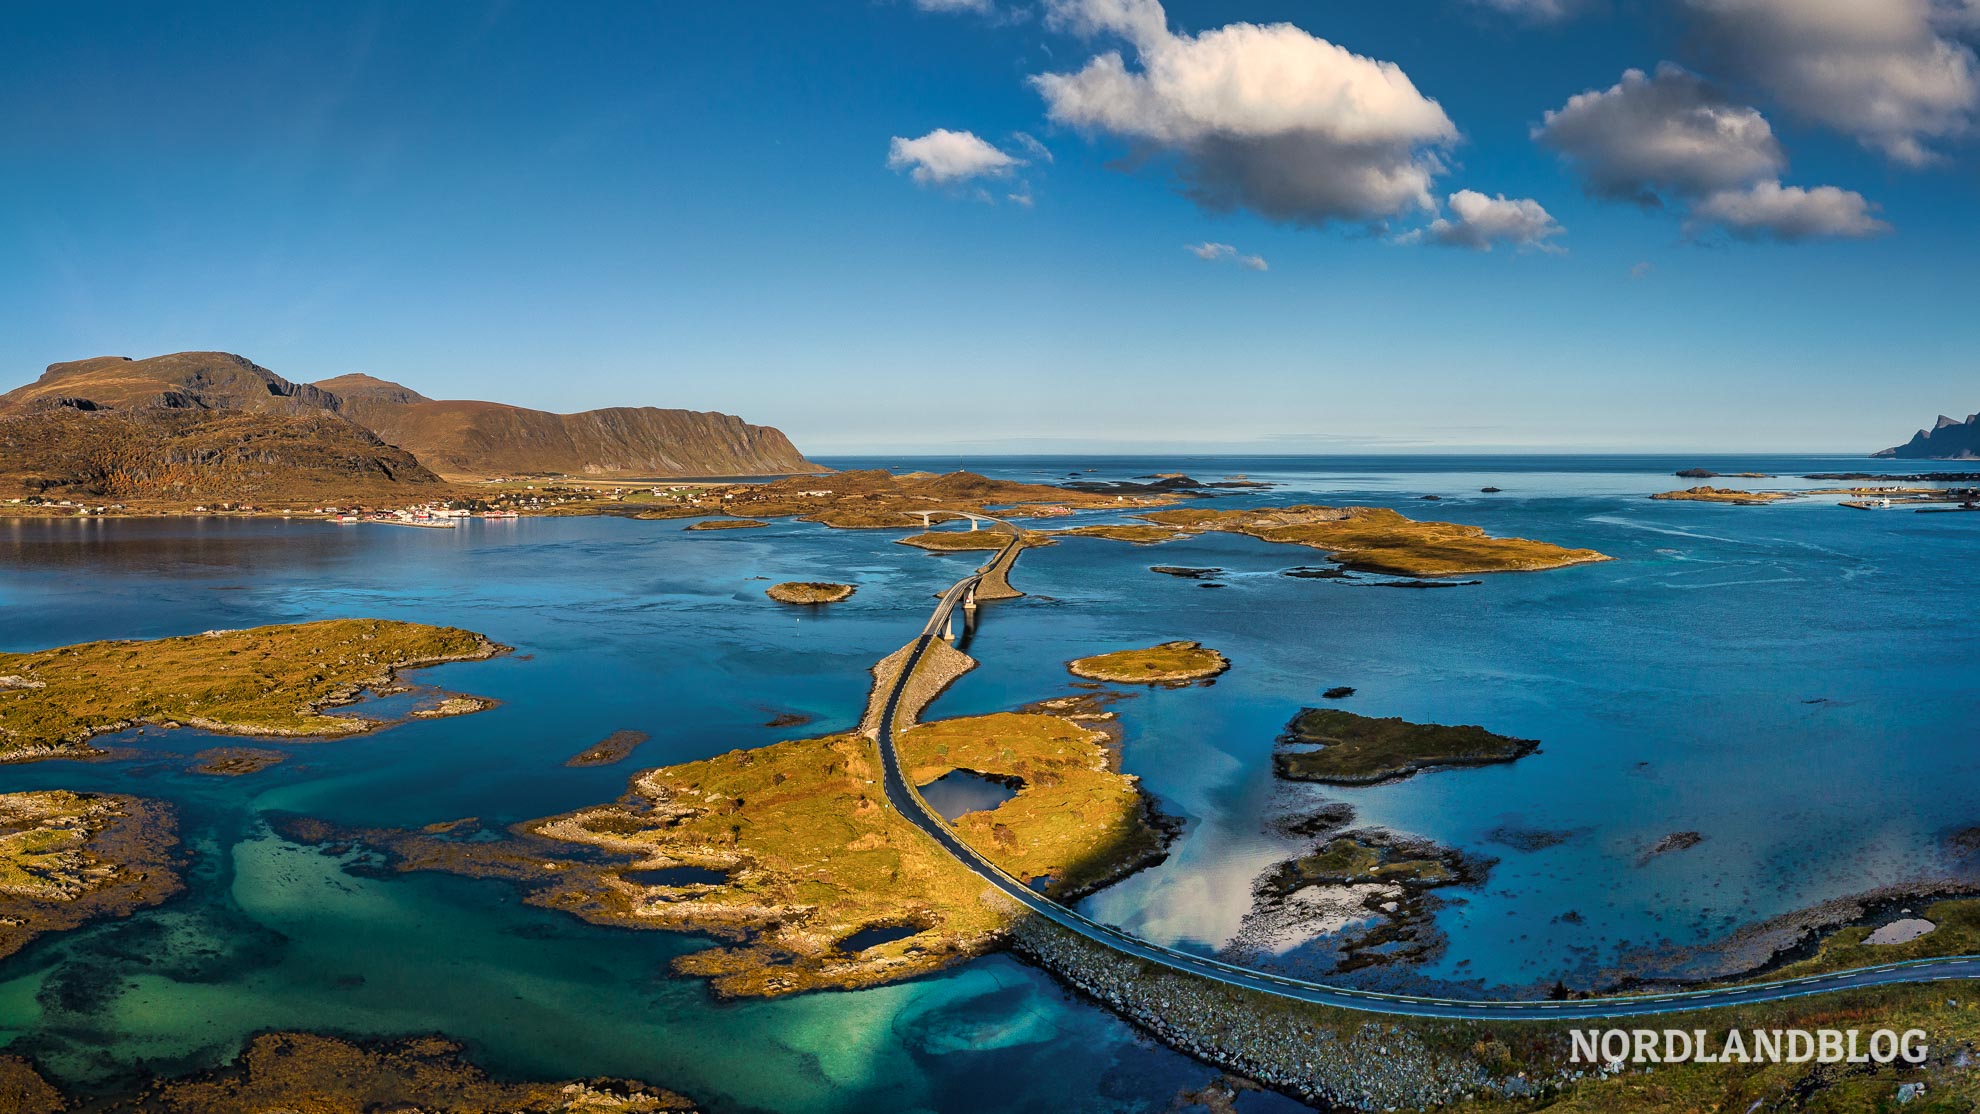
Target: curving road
(905,797)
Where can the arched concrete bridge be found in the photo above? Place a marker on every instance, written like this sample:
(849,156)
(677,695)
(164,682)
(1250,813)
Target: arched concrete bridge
(903,796)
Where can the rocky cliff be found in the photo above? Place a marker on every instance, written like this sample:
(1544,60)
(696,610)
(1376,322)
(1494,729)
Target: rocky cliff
(469,439)
(490,438)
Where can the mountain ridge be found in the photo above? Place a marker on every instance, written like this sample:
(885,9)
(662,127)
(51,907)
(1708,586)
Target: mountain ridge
(1948,439)
(452,437)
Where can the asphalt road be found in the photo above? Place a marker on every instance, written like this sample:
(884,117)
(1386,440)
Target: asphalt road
(904,797)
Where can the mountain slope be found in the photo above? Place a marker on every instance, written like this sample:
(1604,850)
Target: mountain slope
(187,455)
(460,438)
(181,381)
(1946,440)
(485,438)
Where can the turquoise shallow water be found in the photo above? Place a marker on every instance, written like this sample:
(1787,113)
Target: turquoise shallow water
(1670,690)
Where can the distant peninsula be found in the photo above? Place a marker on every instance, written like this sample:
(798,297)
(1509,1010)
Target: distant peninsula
(1948,439)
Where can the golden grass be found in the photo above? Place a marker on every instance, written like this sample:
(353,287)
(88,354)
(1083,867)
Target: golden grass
(273,680)
(958,541)
(1708,494)
(809,592)
(1120,532)
(813,854)
(1381,540)
(1170,661)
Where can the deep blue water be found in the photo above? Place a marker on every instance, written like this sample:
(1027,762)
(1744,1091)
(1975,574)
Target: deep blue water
(1795,682)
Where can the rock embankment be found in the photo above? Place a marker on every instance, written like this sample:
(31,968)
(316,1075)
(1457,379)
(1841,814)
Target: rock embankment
(1332,1058)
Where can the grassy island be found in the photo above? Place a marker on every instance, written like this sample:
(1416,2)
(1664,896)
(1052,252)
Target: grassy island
(270,681)
(66,858)
(726,524)
(790,856)
(958,541)
(809,592)
(1347,749)
(1167,663)
(298,1072)
(1709,494)
(1377,539)
(1143,534)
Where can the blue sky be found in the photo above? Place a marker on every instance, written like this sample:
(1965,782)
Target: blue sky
(569,206)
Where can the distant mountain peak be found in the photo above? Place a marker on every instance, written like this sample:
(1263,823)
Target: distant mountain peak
(1948,439)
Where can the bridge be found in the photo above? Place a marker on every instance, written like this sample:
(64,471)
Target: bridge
(902,703)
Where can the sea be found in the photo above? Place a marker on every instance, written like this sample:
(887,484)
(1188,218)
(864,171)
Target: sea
(1795,683)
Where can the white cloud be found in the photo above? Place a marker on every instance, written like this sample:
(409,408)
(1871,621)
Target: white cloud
(1211,252)
(944,157)
(1877,70)
(979,6)
(1478,222)
(1539,11)
(1669,134)
(1641,270)
(1266,118)
(1770,210)
(1032,146)
(1674,139)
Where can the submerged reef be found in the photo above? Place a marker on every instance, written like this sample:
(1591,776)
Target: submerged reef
(67,858)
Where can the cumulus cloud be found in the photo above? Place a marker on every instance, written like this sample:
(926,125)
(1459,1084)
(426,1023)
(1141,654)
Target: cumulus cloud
(1478,222)
(1771,210)
(1674,139)
(1673,133)
(944,157)
(1211,252)
(1881,71)
(1266,118)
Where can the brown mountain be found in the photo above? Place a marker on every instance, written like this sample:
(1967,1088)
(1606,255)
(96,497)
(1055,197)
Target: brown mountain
(458,438)
(189,455)
(181,381)
(484,438)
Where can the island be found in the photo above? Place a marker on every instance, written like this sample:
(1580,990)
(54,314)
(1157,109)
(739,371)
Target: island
(1377,539)
(288,1071)
(809,592)
(67,858)
(1335,747)
(725,524)
(964,541)
(1137,533)
(277,681)
(616,747)
(789,856)
(1709,494)
(1169,662)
